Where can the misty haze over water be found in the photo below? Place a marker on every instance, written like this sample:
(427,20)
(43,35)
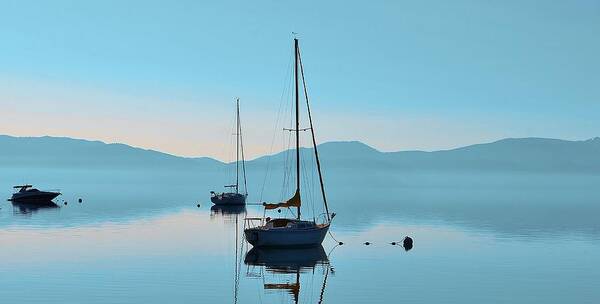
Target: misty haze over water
(526,224)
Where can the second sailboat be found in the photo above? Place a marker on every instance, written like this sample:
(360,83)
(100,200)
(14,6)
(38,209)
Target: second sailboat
(236,198)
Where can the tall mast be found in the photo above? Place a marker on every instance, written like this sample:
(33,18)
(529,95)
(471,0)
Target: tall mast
(237,145)
(297,122)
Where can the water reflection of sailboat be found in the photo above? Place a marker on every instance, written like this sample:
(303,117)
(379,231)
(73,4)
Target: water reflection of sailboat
(28,208)
(282,262)
(228,210)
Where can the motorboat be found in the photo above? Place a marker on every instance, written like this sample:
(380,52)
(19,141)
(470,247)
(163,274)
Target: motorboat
(28,194)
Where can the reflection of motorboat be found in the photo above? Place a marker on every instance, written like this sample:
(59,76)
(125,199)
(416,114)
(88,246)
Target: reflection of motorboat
(234,198)
(285,261)
(284,232)
(26,208)
(228,210)
(27,194)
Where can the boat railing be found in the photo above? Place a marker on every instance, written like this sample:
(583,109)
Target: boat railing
(321,219)
(253,222)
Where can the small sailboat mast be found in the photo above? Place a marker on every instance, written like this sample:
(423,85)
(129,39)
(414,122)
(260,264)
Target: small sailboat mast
(239,151)
(237,145)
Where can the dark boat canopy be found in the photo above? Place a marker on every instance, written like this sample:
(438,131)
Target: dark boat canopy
(22,187)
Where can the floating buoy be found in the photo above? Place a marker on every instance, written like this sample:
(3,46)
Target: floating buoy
(65,203)
(367,243)
(407,243)
(80,200)
(198,205)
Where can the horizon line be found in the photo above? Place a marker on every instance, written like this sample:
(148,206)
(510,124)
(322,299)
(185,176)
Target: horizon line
(320,144)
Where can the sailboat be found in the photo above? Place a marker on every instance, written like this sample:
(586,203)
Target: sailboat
(233,198)
(288,232)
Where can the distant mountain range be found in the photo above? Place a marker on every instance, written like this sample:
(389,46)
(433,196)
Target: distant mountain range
(513,154)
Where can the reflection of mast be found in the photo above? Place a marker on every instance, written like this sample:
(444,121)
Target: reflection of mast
(291,288)
(235,280)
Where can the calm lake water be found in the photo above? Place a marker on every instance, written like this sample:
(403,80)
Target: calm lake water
(140,238)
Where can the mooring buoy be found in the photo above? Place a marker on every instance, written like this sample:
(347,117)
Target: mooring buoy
(407,243)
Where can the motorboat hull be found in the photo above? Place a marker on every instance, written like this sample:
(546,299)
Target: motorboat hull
(286,238)
(228,199)
(35,197)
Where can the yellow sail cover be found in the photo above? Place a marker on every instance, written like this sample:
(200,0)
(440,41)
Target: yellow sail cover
(292,202)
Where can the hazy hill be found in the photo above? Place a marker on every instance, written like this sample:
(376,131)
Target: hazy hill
(514,154)
(523,154)
(68,152)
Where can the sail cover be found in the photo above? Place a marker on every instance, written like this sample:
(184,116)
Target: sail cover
(292,202)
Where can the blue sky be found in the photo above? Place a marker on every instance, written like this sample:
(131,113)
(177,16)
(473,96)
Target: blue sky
(394,74)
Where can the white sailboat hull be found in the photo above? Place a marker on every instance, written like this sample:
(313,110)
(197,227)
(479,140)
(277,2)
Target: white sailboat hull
(286,237)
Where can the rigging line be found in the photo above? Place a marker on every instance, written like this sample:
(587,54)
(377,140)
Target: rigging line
(226,150)
(288,165)
(242,147)
(286,85)
(312,131)
(286,171)
(324,285)
(232,142)
(309,187)
(235,277)
(331,235)
(288,151)
(331,251)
